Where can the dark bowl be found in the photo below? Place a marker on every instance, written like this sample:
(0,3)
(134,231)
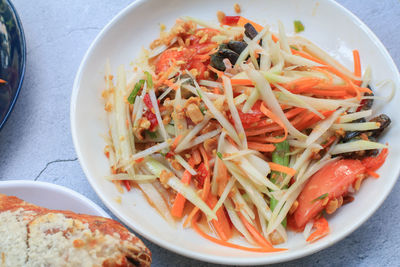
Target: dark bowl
(12,58)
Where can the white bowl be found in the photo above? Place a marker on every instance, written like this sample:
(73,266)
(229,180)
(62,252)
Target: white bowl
(327,23)
(51,196)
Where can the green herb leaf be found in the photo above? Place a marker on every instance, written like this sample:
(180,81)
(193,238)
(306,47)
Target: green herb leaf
(298,26)
(320,197)
(149,79)
(135,91)
(219,154)
(203,110)
(294,48)
(198,92)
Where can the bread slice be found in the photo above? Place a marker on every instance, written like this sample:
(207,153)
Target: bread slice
(36,236)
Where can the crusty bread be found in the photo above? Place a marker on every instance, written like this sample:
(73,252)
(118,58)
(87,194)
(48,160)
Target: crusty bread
(35,236)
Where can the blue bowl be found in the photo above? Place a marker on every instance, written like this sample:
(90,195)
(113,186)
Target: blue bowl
(12,58)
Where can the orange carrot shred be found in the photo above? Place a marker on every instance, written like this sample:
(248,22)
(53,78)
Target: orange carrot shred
(231,245)
(259,238)
(276,119)
(321,229)
(221,225)
(262,147)
(372,173)
(218,72)
(241,82)
(357,63)
(242,21)
(280,168)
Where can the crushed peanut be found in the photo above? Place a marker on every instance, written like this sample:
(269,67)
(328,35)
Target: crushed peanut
(332,206)
(236,7)
(162,27)
(325,201)
(276,238)
(176,165)
(164,177)
(143,124)
(210,145)
(108,107)
(357,183)
(220,15)
(194,113)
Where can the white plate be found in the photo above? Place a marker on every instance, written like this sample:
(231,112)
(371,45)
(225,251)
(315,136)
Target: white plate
(51,196)
(327,23)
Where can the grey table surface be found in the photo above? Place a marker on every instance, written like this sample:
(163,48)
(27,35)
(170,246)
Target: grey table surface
(36,142)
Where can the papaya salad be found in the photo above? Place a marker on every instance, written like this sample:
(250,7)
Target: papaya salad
(235,130)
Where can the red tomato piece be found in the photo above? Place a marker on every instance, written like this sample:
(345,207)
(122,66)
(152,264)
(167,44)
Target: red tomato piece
(252,116)
(333,179)
(167,58)
(152,119)
(169,155)
(230,20)
(202,173)
(147,101)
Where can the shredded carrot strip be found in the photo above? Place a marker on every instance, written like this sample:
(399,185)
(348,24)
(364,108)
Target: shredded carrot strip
(327,73)
(262,147)
(206,186)
(2,81)
(301,83)
(293,112)
(222,177)
(372,173)
(171,84)
(266,129)
(242,21)
(307,56)
(180,200)
(280,168)
(218,72)
(221,225)
(322,229)
(179,203)
(276,119)
(231,245)
(357,63)
(241,82)
(191,216)
(175,143)
(258,237)
(345,78)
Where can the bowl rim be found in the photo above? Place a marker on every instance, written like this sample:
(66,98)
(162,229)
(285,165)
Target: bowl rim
(201,256)
(23,67)
(55,187)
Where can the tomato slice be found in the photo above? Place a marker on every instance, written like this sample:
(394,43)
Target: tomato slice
(334,180)
(166,59)
(230,20)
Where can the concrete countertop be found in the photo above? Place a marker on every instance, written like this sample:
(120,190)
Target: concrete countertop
(36,143)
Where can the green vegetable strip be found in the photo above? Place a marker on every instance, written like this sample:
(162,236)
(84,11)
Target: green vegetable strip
(298,26)
(280,157)
(149,79)
(135,91)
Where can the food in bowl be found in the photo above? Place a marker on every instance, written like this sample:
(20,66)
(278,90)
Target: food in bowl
(237,130)
(36,236)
